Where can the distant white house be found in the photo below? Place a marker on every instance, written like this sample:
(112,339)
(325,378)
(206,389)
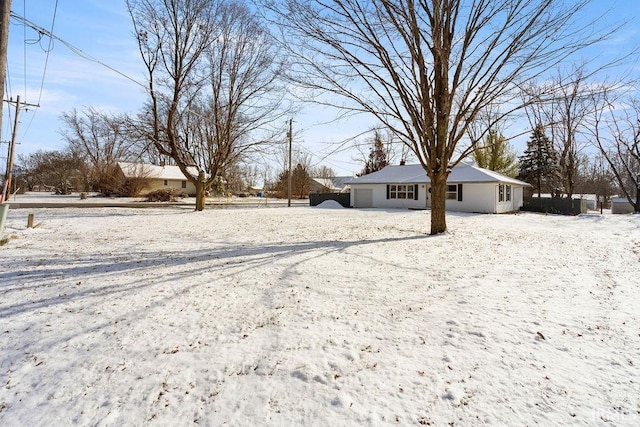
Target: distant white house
(157,177)
(469,189)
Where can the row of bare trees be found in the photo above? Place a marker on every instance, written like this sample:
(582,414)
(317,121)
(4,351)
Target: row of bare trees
(218,75)
(214,80)
(580,111)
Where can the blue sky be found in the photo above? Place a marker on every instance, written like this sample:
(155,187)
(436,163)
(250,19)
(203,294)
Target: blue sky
(102,30)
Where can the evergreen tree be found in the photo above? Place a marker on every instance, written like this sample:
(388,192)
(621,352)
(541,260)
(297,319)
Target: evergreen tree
(377,156)
(300,182)
(539,164)
(496,155)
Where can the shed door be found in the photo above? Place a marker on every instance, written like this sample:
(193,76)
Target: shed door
(363,198)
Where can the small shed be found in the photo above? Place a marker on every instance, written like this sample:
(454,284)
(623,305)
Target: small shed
(620,205)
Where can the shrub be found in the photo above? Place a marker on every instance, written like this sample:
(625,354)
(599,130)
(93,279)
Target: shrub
(161,196)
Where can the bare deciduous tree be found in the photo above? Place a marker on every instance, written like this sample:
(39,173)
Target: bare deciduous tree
(322,171)
(213,75)
(596,178)
(59,171)
(565,103)
(101,140)
(425,69)
(616,132)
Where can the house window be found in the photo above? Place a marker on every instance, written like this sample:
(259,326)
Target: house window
(504,193)
(184,184)
(452,192)
(402,191)
(166,183)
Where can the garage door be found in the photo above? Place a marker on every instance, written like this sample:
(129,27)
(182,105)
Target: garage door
(363,198)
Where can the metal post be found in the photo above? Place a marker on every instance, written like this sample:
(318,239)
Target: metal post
(290,145)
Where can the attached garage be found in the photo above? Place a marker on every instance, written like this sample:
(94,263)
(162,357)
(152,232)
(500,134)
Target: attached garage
(362,198)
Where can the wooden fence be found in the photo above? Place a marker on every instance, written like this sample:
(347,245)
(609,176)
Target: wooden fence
(555,205)
(343,198)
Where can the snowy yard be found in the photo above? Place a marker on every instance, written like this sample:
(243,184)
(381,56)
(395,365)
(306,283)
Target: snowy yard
(316,317)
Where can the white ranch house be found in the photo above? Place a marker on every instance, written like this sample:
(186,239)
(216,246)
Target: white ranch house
(469,189)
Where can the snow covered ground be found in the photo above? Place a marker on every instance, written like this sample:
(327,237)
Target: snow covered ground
(315,317)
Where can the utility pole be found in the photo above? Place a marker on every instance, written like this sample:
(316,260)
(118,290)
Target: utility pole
(5,12)
(12,149)
(290,145)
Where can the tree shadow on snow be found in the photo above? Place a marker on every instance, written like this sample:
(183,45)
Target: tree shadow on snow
(62,274)
(219,260)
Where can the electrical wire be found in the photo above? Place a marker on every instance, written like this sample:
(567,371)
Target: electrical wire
(72,48)
(48,51)
(49,33)
(46,62)
(24,49)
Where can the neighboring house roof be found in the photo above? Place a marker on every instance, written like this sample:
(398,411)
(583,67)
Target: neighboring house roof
(325,182)
(416,174)
(336,184)
(621,200)
(340,182)
(143,170)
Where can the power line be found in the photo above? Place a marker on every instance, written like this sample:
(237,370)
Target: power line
(24,51)
(72,48)
(48,51)
(49,33)
(44,71)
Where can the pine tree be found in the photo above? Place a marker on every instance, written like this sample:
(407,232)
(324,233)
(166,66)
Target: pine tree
(377,156)
(300,182)
(496,155)
(539,163)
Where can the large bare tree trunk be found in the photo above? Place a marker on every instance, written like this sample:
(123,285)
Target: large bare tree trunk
(438,204)
(201,196)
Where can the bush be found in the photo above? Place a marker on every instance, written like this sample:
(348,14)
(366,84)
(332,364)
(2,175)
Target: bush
(161,196)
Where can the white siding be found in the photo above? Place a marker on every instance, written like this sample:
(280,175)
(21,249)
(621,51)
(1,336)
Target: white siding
(362,198)
(476,197)
(484,198)
(379,197)
(620,205)
(518,198)
(173,184)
